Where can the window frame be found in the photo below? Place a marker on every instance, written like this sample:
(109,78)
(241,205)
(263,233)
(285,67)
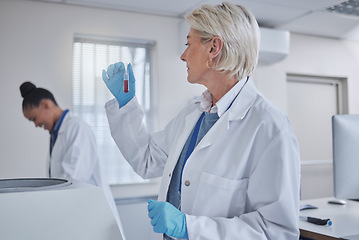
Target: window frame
(137,43)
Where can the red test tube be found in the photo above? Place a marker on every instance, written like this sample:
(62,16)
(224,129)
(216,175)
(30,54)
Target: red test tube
(125,82)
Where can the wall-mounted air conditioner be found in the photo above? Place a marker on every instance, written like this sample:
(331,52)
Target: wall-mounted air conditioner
(275,45)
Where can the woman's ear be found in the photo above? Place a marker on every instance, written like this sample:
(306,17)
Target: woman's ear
(45,104)
(216,46)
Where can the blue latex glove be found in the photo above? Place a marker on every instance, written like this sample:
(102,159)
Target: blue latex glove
(113,79)
(167,219)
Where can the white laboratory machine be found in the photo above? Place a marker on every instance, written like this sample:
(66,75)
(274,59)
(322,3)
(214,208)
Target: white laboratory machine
(57,209)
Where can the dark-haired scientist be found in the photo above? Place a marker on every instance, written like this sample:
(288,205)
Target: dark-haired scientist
(229,161)
(73,150)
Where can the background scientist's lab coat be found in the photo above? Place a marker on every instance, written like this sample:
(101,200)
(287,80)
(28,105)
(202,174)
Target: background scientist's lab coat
(240,182)
(74,155)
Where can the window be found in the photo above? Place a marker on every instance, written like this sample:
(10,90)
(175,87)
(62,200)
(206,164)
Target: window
(90,57)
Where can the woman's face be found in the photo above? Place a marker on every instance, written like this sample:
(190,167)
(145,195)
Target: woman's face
(196,55)
(40,116)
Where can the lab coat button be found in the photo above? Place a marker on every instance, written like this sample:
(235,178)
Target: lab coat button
(170,174)
(187,183)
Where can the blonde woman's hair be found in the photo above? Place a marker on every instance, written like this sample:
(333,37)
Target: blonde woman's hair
(238,29)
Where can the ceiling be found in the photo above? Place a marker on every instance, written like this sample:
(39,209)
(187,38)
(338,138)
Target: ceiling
(300,16)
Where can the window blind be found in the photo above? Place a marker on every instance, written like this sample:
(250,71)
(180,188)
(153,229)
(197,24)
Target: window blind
(90,57)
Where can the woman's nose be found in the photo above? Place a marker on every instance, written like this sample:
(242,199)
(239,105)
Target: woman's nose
(182,56)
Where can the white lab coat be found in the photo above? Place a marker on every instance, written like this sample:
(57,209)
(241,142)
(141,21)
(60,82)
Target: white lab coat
(74,155)
(240,182)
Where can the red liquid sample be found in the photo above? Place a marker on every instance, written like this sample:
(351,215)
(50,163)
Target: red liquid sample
(125,86)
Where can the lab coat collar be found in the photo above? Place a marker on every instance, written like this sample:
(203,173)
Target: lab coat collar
(241,104)
(64,122)
(226,101)
(237,111)
(223,104)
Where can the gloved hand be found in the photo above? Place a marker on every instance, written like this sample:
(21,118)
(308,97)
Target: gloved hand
(167,219)
(113,79)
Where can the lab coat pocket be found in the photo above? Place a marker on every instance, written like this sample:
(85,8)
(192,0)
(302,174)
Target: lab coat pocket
(219,197)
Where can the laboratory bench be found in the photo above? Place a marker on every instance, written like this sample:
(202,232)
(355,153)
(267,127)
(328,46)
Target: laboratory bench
(344,218)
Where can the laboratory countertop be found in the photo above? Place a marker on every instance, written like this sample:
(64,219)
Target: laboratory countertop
(345,219)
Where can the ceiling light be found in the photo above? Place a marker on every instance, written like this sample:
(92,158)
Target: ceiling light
(350,7)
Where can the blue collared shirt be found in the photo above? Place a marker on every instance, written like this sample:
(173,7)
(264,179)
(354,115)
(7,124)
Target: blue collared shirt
(55,130)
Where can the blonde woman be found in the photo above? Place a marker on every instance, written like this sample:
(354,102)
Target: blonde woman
(229,161)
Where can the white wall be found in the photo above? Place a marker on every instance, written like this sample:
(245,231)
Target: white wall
(36,45)
(312,56)
(318,57)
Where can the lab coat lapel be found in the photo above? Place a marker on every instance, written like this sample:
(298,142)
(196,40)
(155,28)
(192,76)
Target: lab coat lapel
(190,121)
(219,129)
(243,102)
(237,111)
